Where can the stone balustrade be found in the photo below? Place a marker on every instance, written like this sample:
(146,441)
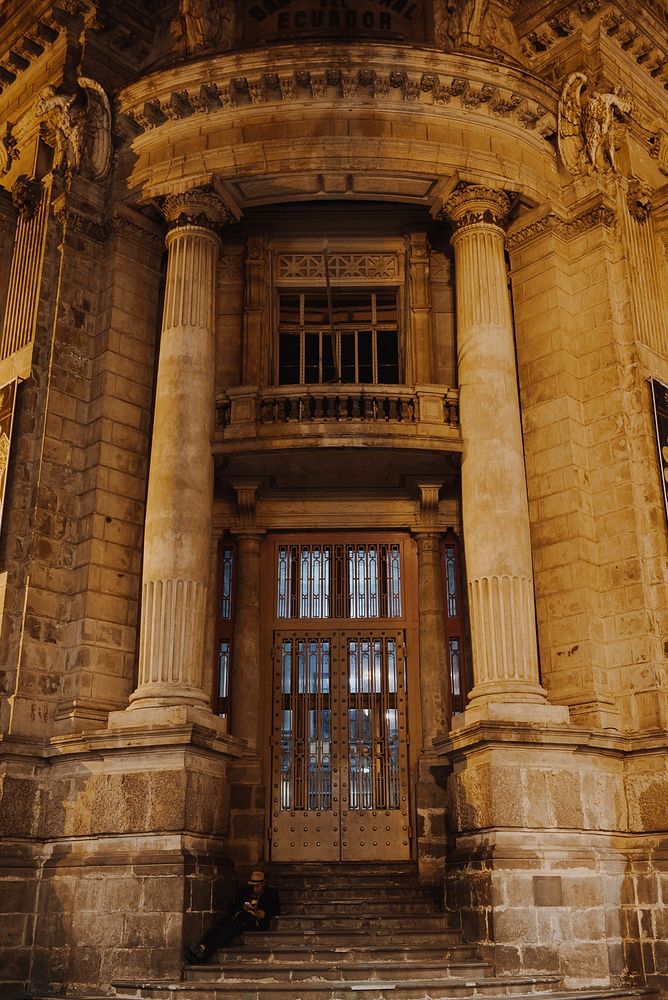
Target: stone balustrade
(245,410)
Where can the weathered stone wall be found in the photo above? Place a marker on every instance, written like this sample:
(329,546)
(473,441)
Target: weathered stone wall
(101,637)
(597,520)
(112,861)
(569,876)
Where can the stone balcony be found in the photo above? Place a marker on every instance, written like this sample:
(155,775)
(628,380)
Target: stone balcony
(421,417)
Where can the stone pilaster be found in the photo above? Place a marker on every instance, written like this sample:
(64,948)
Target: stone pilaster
(245,680)
(433,647)
(178,516)
(494,498)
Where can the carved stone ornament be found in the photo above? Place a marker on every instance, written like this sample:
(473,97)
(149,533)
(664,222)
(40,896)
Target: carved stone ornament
(477,24)
(472,204)
(26,196)
(659,150)
(588,130)
(78,126)
(200,207)
(566,229)
(207,24)
(638,199)
(8,150)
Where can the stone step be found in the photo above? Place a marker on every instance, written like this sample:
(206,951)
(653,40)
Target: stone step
(377,905)
(385,988)
(362,893)
(376,936)
(354,921)
(301,954)
(342,869)
(395,969)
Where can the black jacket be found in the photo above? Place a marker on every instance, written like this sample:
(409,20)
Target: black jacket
(267,901)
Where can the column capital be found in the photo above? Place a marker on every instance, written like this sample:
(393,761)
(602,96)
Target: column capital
(473,204)
(201,207)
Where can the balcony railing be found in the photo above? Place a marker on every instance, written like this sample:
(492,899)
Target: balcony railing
(246,412)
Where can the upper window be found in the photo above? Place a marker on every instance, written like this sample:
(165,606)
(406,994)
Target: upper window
(350,336)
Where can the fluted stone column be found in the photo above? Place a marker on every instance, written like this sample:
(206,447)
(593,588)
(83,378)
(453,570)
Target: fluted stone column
(433,647)
(177,538)
(245,708)
(494,497)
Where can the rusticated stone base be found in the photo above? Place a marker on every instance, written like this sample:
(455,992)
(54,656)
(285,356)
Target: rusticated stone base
(116,854)
(123,909)
(246,840)
(430,808)
(557,862)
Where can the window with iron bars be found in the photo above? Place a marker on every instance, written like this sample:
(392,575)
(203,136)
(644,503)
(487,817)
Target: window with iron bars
(455,622)
(349,580)
(357,343)
(227,569)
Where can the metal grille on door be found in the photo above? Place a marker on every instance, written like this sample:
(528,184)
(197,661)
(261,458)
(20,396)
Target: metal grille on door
(340,746)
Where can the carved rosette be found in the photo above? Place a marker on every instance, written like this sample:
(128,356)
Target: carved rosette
(473,205)
(199,208)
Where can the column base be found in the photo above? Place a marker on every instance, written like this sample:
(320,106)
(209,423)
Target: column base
(167,717)
(502,711)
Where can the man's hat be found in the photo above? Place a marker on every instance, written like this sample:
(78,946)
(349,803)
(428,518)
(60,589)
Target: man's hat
(256,877)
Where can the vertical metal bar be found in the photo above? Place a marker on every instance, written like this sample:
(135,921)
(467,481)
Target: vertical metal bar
(330,308)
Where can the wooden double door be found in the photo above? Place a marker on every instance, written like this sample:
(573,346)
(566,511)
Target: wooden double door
(340,742)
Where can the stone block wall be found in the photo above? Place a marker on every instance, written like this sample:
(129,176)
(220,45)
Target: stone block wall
(111,859)
(597,522)
(552,863)
(101,636)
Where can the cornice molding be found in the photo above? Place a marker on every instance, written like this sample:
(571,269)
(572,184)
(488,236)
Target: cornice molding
(566,229)
(351,84)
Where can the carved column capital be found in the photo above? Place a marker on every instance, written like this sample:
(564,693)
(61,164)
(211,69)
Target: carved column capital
(472,204)
(198,207)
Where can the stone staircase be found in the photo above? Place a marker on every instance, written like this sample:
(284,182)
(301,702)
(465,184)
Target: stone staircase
(352,932)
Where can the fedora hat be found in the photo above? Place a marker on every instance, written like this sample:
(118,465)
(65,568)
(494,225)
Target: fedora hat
(257,876)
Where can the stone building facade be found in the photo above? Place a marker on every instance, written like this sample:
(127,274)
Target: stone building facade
(331,490)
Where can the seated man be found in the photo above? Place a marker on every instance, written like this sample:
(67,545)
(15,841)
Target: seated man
(253,910)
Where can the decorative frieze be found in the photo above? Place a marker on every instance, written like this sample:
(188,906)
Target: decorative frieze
(347,266)
(231,268)
(334,84)
(566,229)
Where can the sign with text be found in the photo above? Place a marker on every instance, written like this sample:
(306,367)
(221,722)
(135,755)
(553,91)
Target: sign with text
(284,20)
(660,401)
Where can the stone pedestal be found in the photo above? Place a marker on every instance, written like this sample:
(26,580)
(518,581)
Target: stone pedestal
(555,856)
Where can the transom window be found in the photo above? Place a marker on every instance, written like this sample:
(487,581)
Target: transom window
(350,336)
(339,581)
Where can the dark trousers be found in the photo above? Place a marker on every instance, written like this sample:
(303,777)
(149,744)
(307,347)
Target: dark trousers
(225,931)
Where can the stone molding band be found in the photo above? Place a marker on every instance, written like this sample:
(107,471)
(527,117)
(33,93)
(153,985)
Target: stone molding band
(566,229)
